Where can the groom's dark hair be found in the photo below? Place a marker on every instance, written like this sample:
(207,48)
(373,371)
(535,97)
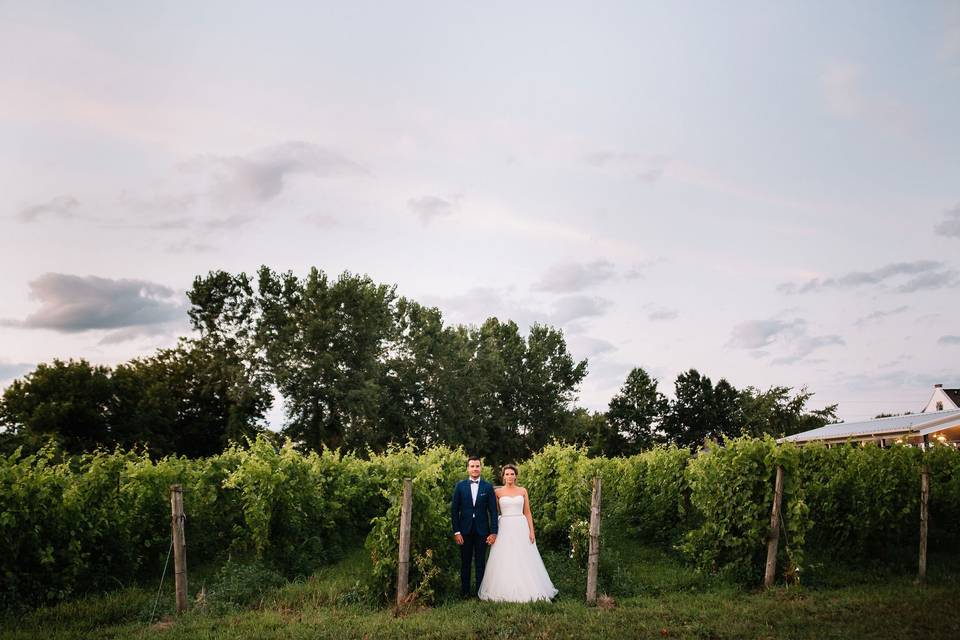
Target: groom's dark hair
(477,458)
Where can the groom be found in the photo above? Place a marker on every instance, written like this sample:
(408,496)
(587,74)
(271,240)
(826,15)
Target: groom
(473,515)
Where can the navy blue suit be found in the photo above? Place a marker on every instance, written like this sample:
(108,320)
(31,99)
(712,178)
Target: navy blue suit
(474,522)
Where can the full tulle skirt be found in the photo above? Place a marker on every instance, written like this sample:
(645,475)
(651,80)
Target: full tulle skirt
(515,571)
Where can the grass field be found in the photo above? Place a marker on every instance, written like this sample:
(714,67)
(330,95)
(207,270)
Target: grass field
(656,597)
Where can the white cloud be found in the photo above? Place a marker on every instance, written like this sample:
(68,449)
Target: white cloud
(571,277)
(659,315)
(950,225)
(587,347)
(209,191)
(880,315)
(758,333)
(576,307)
(792,340)
(71,304)
(263,175)
(59,207)
(927,274)
(480,303)
(429,208)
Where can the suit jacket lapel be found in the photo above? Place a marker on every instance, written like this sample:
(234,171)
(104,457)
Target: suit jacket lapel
(480,489)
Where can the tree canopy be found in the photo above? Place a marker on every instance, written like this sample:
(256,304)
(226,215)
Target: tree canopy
(184,400)
(360,367)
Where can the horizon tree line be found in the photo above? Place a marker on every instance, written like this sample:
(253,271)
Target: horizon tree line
(361,368)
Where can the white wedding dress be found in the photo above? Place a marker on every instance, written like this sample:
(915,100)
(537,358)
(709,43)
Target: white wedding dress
(515,571)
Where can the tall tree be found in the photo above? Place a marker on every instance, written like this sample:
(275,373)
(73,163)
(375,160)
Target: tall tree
(325,343)
(190,400)
(551,378)
(701,410)
(592,430)
(183,401)
(636,413)
(69,402)
(360,367)
(778,413)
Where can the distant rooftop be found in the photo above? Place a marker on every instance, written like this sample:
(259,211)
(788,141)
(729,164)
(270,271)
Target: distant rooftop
(914,425)
(953,394)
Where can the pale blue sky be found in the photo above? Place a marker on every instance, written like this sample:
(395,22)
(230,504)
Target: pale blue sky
(768,192)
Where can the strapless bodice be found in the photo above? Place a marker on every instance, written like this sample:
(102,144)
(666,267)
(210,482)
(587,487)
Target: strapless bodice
(511,505)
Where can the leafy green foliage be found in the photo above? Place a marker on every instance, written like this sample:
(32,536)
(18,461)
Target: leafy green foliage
(944,464)
(191,400)
(433,555)
(778,413)
(656,493)
(240,584)
(361,368)
(639,417)
(701,410)
(67,401)
(732,489)
(865,500)
(548,476)
(101,520)
(636,412)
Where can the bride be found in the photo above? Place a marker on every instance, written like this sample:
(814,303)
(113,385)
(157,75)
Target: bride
(515,572)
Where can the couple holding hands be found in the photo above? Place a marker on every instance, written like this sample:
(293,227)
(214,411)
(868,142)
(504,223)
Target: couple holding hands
(500,519)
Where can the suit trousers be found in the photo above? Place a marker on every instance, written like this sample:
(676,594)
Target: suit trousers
(472,551)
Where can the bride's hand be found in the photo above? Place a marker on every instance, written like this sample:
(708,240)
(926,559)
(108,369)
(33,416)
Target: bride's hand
(533,538)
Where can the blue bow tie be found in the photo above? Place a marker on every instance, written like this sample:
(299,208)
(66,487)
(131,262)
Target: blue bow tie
(474,482)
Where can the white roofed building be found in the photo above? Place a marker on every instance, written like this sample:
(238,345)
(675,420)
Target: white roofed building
(938,421)
(943,399)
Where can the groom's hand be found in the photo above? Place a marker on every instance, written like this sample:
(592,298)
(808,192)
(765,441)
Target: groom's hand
(458,538)
(491,538)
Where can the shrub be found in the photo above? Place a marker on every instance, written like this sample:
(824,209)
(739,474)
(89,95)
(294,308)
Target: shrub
(732,489)
(434,558)
(656,493)
(864,499)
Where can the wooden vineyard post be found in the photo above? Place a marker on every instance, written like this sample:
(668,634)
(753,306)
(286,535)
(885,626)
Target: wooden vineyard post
(403,567)
(177,519)
(773,540)
(594,557)
(924,521)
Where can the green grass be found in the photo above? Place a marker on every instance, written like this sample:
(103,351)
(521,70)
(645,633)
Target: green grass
(655,597)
